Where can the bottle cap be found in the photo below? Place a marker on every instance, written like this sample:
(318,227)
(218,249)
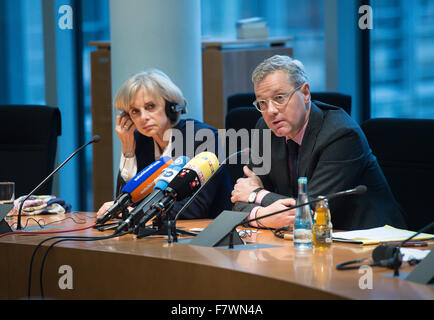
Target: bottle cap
(302,180)
(322,201)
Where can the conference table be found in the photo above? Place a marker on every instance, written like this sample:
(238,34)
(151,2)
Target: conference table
(266,268)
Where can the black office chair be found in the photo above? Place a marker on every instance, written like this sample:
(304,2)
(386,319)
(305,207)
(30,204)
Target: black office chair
(242,114)
(333,98)
(28,144)
(403,148)
(239,118)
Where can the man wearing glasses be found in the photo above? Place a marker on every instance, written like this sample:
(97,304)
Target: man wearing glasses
(313,140)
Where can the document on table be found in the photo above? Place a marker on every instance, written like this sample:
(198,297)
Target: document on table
(377,235)
(410,253)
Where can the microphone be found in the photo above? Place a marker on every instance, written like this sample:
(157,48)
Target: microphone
(136,189)
(95,139)
(355,191)
(194,174)
(143,183)
(161,183)
(244,151)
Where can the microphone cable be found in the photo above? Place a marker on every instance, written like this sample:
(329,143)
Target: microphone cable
(37,222)
(280,232)
(62,239)
(44,232)
(49,232)
(44,224)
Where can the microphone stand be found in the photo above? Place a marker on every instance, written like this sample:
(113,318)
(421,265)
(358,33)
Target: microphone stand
(159,225)
(94,139)
(175,237)
(396,256)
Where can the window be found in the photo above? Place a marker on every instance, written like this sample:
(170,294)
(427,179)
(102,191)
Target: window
(402,59)
(21,53)
(23,80)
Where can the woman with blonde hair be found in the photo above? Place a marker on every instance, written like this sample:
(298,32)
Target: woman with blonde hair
(151,106)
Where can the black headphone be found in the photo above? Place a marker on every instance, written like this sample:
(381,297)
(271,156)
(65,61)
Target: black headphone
(173,110)
(383,256)
(386,256)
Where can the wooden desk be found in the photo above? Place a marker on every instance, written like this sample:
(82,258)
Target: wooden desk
(150,268)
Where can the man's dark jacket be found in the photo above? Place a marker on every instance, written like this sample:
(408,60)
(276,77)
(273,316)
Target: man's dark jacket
(334,156)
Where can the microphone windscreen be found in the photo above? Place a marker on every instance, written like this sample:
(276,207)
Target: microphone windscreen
(360,189)
(204,164)
(170,172)
(185,183)
(96,138)
(195,173)
(143,183)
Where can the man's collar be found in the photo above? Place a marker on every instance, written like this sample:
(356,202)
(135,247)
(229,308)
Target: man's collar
(299,136)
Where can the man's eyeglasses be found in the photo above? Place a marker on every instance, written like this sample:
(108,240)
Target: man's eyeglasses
(278,101)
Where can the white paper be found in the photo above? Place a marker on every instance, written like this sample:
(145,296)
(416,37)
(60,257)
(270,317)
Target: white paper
(409,253)
(381,234)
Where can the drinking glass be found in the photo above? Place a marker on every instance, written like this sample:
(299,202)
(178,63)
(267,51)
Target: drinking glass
(7,192)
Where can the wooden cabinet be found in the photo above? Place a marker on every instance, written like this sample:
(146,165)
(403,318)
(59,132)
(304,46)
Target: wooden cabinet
(227,67)
(102,110)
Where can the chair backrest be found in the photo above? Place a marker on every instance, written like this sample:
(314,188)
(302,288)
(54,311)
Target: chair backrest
(334,98)
(242,118)
(403,148)
(242,114)
(239,118)
(28,144)
(238,100)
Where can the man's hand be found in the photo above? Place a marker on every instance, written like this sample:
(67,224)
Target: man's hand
(245,186)
(285,218)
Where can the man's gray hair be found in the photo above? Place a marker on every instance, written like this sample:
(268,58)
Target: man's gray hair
(292,67)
